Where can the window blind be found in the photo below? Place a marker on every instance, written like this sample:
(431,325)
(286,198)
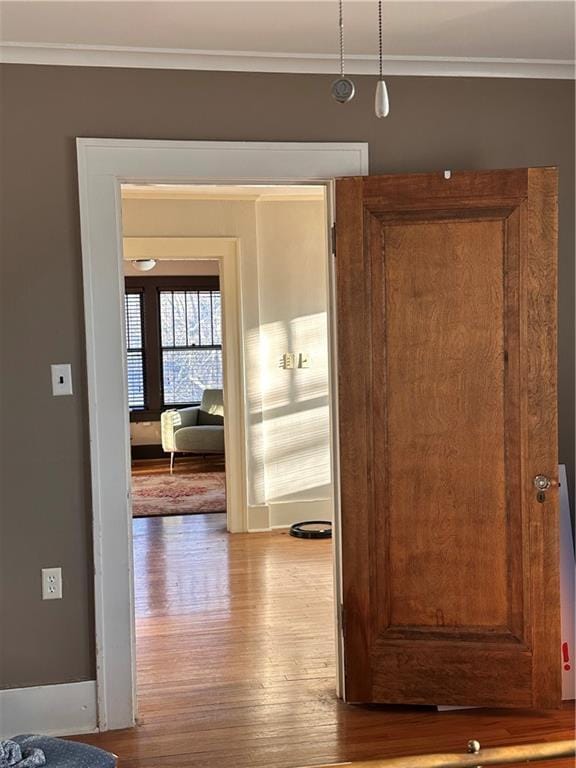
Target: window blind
(134,349)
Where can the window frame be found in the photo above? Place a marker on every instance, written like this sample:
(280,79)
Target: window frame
(150,288)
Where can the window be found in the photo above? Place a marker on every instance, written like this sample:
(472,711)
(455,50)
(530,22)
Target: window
(135,349)
(173,342)
(191,343)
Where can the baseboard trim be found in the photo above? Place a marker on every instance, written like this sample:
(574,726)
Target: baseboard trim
(283,514)
(50,710)
(258,518)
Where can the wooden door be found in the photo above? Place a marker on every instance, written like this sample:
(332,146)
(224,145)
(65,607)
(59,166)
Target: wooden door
(446,305)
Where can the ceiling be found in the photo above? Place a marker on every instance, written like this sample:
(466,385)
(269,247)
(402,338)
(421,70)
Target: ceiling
(499,37)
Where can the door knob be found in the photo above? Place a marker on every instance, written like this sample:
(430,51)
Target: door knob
(542,482)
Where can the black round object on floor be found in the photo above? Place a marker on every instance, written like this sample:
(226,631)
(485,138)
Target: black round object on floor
(312,529)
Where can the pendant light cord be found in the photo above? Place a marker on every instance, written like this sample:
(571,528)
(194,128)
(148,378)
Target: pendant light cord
(341,24)
(380,37)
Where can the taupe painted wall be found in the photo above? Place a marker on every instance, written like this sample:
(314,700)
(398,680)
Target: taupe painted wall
(435,123)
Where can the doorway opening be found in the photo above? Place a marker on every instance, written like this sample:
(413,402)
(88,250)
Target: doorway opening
(104,165)
(173,322)
(195,586)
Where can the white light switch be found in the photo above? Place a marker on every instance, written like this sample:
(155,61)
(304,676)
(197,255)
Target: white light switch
(51,583)
(61,379)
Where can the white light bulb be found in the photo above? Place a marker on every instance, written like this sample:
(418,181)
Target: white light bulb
(144,265)
(381,103)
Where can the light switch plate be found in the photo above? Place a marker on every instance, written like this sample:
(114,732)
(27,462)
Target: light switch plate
(61,379)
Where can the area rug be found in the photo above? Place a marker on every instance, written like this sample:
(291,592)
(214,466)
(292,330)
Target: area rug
(184,494)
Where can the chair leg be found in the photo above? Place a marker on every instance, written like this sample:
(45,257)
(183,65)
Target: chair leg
(171,462)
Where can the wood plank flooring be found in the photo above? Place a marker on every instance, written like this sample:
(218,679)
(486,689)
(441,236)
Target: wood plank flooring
(183,464)
(236,666)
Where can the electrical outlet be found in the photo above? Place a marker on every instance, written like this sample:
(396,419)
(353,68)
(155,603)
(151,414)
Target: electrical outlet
(51,583)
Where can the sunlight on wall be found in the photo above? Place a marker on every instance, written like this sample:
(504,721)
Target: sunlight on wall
(256,480)
(297,454)
(296,409)
(303,334)
(293,313)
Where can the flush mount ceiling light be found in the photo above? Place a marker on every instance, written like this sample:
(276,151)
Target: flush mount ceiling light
(144,265)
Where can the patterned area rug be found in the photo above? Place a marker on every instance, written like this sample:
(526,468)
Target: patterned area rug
(178,494)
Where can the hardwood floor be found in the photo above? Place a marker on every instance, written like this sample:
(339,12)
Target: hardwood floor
(182,464)
(236,667)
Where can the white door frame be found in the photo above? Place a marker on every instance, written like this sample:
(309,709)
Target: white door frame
(227,251)
(103,165)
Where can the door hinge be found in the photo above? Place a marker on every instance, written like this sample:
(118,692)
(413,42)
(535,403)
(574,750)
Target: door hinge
(341,618)
(333,237)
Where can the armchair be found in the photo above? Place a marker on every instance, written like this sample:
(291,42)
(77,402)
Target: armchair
(199,429)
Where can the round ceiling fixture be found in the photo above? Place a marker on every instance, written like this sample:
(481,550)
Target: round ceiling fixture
(144,265)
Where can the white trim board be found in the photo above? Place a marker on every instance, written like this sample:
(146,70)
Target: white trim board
(179,248)
(51,710)
(103,164)
(258,518)
(283,514)
(80,55)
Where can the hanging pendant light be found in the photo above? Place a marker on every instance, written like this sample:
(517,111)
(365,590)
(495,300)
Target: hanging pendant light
(381,101)
(343,89)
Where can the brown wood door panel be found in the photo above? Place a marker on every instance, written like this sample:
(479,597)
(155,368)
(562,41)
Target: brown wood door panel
(446,331)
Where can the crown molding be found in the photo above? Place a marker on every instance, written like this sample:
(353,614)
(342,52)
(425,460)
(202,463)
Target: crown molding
(282,194)
(251,61)
(178,248)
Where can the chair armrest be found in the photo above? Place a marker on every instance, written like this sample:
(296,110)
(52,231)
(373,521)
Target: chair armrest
(188,416)
(172,420)
(169,422)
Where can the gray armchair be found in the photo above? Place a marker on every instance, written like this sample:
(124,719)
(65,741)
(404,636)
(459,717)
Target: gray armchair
(199,429)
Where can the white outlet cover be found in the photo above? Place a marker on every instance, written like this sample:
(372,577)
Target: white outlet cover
(51,583)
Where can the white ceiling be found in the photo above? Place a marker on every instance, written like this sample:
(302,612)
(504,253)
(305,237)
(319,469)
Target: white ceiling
(523,37)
